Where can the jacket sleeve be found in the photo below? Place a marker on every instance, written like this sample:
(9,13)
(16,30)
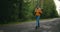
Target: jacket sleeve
(40,11)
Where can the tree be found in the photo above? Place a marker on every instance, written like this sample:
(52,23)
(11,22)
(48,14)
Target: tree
(49,9)
(13,10)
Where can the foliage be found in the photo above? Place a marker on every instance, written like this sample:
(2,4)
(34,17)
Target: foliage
(49,9)
(21,10)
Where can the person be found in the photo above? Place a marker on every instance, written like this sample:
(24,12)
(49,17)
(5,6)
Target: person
(38,13)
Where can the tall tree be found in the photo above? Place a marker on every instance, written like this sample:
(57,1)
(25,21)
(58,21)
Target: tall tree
(49,9)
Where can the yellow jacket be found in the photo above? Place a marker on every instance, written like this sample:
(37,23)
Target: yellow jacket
(38,12)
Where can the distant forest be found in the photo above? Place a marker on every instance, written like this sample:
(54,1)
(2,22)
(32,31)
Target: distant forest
(22,10)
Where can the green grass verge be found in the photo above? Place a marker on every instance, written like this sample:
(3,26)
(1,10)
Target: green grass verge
(22,21)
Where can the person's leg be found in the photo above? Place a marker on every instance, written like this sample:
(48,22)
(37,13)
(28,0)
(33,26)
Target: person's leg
(37,21)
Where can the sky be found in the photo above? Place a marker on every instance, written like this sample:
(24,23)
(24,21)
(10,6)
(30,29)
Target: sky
(57,3)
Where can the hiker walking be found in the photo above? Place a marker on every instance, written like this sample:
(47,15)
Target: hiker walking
(38,13)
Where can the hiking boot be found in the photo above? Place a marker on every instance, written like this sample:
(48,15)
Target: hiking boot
(36,27)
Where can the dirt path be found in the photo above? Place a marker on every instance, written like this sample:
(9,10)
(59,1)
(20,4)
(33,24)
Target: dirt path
(45,26)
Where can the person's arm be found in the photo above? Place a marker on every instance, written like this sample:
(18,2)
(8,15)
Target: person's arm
(40,11)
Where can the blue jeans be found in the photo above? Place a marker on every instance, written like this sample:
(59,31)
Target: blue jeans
(37,20)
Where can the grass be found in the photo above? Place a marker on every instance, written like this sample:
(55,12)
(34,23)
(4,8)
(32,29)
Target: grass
(22,22)
(17,22)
